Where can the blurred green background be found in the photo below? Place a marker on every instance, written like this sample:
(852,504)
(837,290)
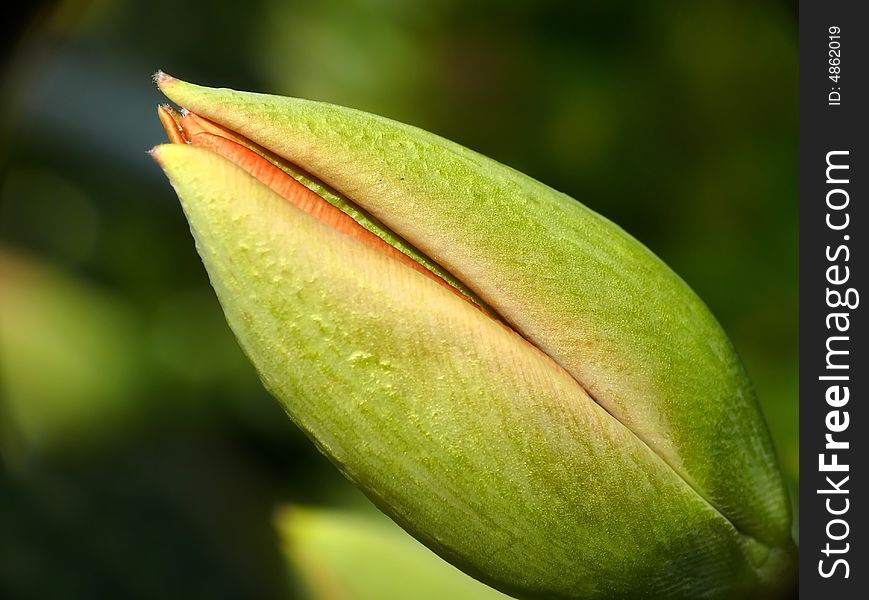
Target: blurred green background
(139,456)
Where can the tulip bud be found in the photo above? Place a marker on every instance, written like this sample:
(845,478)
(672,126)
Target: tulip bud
(514,379)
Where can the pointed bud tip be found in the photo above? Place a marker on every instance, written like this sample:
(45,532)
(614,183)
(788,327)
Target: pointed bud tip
(171,122)
(155,154)
(162,78)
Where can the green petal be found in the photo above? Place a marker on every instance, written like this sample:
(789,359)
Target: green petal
(587,293)
(466,435)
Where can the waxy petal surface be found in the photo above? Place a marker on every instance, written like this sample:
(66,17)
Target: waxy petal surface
(585,292)
(468,436)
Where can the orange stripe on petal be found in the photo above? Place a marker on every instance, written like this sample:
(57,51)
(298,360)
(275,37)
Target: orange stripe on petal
(169,119)
(192,124)
(294,192)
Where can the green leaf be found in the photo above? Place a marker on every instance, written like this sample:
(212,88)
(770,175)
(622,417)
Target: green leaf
(343,555)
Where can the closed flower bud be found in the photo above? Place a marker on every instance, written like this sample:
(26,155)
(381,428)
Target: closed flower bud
(515,380)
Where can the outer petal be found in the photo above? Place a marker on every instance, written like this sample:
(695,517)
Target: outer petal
(467,436)
(592,297)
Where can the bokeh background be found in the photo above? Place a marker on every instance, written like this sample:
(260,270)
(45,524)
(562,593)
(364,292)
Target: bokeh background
(139,455)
